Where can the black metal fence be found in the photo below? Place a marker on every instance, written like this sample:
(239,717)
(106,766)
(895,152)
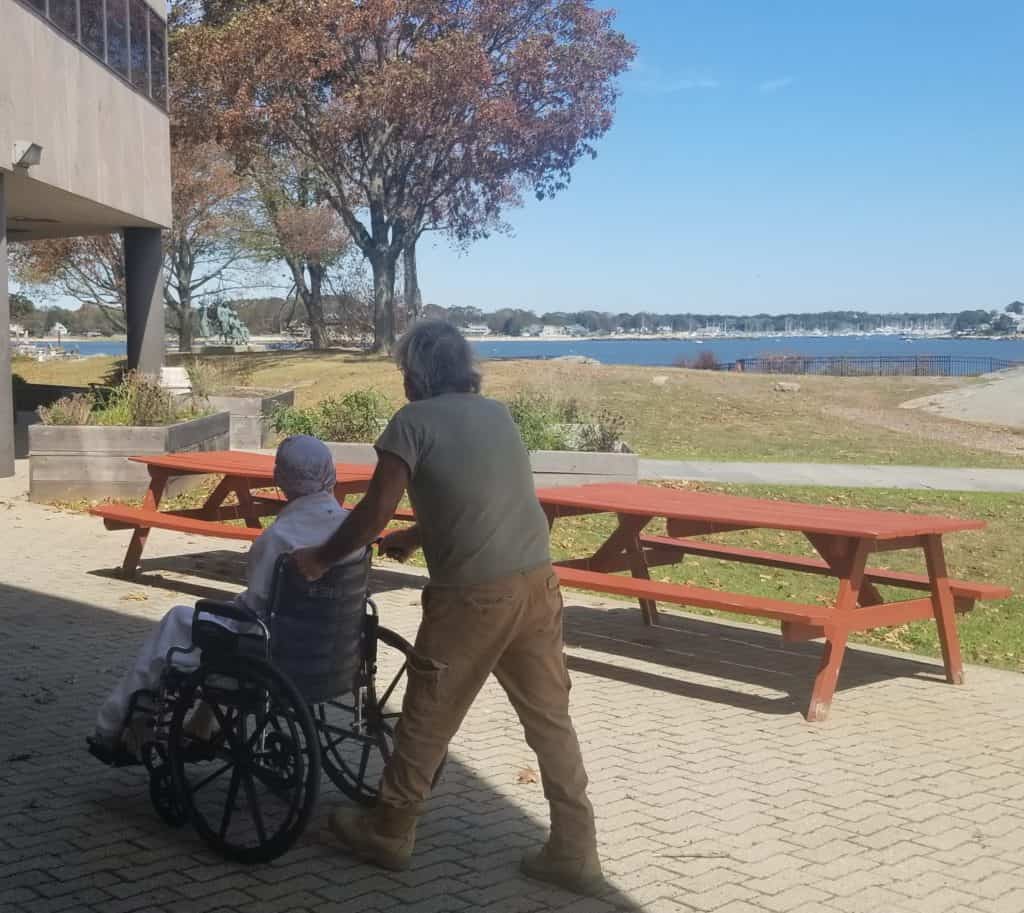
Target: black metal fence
(873,365)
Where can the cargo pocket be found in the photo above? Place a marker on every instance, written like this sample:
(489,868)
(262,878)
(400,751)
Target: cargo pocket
(426,678)
(565,671)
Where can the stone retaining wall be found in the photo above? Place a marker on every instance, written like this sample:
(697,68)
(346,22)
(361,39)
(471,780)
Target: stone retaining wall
(551,468)
(69,462)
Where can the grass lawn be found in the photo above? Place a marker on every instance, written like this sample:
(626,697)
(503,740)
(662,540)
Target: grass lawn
(993,634)
(693,415)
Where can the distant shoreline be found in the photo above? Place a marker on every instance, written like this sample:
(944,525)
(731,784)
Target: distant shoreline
(680,337)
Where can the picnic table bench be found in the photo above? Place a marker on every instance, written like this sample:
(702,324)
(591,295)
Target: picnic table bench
(249,477)
(844,539)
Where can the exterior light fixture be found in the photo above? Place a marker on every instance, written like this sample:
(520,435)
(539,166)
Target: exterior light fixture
(25,154)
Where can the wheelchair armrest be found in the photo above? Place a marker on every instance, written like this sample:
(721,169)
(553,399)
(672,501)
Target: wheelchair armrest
(226,610)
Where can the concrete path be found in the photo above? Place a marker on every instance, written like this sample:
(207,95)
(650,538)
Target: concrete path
(712,793)
(997,400)
(839,475)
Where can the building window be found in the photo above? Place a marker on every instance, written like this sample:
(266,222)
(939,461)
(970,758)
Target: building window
(64,15)
(126,35)
(157,61)
(93,35)
(139,19)
(117,36)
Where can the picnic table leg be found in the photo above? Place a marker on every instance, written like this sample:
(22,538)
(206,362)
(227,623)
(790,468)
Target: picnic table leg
(217,497)
(245,502)
(157,484)
(834,553)
(850,571)
(944,607)
(625,541)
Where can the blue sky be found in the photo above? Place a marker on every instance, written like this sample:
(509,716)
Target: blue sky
(784,156)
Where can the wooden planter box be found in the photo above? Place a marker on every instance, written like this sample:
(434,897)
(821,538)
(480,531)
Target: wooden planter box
(551,468)
(73,462)
(249,415)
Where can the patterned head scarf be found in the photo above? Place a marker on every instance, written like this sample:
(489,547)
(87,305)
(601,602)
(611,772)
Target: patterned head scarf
(303,466)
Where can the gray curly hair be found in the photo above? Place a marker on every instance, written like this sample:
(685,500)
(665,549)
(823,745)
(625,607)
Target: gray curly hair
(435,358)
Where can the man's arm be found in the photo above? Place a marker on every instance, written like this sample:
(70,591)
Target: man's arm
(366,521)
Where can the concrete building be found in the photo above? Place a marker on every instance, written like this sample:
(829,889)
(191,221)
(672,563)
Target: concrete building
(84,149)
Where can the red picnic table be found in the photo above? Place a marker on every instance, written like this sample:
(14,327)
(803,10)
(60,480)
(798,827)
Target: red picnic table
(844,538)
(247,476)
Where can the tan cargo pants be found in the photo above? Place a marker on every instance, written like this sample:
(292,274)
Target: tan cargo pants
(513,628)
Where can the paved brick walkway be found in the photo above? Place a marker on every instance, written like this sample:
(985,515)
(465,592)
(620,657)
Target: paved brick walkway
(712,792)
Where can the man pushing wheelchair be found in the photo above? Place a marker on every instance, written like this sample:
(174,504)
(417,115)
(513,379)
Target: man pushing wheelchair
(492,605)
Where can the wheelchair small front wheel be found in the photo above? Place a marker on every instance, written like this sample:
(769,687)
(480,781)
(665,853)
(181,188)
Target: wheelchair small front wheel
(250,787)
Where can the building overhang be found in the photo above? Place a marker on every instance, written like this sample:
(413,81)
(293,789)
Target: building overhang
(37,210)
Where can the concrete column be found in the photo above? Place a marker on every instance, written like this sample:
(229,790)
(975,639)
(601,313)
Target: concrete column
(144,298)
(6,392)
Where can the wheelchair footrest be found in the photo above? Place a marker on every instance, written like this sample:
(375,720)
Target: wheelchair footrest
(111,756)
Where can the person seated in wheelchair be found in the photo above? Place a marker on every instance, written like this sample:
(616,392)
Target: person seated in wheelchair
(304,470)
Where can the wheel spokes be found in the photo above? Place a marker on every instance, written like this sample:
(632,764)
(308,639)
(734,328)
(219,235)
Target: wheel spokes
(254,807)
(198,786)
(229,805)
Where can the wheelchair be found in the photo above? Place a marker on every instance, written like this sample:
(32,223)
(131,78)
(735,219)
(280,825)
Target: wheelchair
(308,690)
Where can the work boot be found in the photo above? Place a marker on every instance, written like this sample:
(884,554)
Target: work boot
(579,874)
(361,832)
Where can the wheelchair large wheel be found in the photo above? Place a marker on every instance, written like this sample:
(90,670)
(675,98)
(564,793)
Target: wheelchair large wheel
(357,730)
(250,788)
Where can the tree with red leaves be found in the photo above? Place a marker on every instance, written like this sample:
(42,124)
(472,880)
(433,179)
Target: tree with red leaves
(415,114)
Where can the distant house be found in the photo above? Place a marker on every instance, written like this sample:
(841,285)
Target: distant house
(58,330)
(534,329)
(477,329)
(551,330)
(664,329)
(17,331)
(577,329)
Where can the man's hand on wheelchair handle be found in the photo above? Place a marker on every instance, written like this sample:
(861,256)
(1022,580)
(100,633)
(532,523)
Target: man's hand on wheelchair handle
(399,544)
(364,523)
(310,563)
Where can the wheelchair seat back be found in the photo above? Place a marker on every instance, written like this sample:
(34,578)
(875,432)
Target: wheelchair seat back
(317,628)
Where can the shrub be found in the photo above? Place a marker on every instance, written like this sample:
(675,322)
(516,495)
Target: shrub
(603,432)
(68,410)
(706,361)
(138,401)
(289,420)
(538,417)
(204,378)
(356,417)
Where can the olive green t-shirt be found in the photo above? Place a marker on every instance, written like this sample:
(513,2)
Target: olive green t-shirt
(471,488)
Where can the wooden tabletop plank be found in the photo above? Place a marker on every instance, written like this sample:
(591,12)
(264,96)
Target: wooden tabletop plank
(731,511)
(255,466)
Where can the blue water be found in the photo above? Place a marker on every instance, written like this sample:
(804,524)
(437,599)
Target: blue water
(89,347)
(670,351)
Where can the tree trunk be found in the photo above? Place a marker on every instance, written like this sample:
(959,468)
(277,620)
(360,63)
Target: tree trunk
(413,296)
(383,265)
(185,334)
(312,297)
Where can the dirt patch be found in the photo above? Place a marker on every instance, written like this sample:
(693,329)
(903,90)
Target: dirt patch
(995,400)
(942,432)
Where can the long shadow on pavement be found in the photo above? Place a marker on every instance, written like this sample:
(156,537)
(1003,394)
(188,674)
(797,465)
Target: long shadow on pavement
(681,647)
(76,835)
(778,676)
